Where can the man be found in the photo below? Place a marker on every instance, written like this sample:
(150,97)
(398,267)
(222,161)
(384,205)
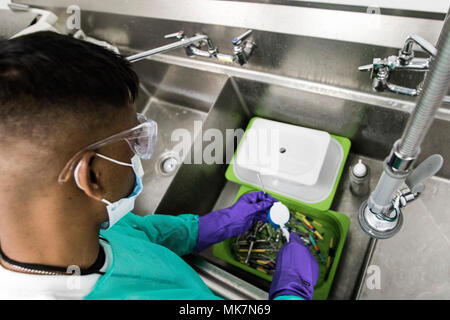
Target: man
(71,144)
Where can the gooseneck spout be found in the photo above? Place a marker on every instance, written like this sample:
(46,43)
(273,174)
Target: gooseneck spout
(381,216)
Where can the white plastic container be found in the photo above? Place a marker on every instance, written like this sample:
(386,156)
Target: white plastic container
(307,170)
(291,153)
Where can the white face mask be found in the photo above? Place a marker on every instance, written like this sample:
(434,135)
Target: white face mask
(117,210)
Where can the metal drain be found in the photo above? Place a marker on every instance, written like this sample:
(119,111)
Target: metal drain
(168,164)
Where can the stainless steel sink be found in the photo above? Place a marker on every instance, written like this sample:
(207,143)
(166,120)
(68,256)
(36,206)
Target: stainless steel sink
(174,97)
(294,78)
(178,91)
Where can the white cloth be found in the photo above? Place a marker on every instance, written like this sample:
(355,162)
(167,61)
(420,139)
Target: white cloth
(24,286)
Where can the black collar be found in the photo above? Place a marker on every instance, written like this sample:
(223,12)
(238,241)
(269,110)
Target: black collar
(95,268)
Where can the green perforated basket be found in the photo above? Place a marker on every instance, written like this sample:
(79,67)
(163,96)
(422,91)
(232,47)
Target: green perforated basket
(335,225)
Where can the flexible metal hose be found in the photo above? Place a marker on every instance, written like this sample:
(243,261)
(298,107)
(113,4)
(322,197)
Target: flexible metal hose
(435,88)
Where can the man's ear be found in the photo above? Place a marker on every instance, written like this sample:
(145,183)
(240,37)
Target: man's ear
(88,178)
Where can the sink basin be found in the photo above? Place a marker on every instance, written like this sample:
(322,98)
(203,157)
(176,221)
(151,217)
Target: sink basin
(175,92)
(170,96)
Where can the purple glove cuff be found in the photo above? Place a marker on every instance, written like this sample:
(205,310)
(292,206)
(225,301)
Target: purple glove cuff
(205,233)
(293,289)
(285,292)
(296,270)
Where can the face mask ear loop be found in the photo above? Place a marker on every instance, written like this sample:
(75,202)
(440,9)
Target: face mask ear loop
(75,175)
(77,168)
(115,161)
(106,201)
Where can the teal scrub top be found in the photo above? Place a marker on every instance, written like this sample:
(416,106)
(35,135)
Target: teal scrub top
(146,260)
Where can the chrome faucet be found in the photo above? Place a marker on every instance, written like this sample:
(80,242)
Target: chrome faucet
(406,54)
(243,49)
(380,216)
(381,68)
(179,44)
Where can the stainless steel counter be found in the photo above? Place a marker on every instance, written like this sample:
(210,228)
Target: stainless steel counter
(356,244)
(12,22)
(229,103)
(415,264)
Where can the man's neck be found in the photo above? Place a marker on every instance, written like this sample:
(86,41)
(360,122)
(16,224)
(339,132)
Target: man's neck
(51,244)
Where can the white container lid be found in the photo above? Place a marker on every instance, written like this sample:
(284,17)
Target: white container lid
(291,153)
(308,194)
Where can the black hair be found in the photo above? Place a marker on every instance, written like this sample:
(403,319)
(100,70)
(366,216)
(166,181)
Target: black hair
(46,75)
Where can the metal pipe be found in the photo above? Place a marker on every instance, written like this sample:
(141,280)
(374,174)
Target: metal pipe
(366,262)
(179,44)
(381,198)
(379,217)
(421,42)
(435,88)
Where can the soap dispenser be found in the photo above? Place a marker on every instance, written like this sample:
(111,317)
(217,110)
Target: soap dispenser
(360,179)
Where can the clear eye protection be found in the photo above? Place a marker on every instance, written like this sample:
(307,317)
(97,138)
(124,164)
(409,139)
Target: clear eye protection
(141,139)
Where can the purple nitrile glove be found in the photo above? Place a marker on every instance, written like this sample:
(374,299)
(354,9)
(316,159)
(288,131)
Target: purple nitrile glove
(296,271)
(233,221)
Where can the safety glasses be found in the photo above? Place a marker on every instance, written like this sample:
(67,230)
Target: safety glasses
(141,139)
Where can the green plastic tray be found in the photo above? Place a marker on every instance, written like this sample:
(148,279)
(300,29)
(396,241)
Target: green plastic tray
(334,224)
(323,205)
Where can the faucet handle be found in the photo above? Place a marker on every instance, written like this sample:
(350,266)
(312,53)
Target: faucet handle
(377,66)
(179,35)
(238,40)
(365,68)
(389,63)
(426,169)
(379,71)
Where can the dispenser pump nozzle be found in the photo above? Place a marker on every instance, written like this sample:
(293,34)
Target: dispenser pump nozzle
(360,169)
